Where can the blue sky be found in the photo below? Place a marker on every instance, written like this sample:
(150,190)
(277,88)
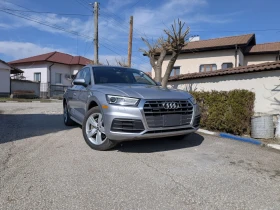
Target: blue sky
(21,38)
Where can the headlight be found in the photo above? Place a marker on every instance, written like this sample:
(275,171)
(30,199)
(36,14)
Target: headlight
(120,100)
(192,99)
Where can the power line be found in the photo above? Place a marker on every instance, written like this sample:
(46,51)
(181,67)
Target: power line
(113,14)
(135,4)
(49,25)
(83,4)
(58,27)
(30,11)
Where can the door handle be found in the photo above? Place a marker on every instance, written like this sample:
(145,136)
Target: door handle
(74,94)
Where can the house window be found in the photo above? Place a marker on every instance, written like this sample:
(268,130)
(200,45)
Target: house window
(207,67)
(58,77)
(227,65)
(175,71)
(37,77)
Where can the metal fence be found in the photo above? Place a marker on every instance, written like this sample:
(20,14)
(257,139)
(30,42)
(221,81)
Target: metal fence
(44,90)
(57,90)
(52,91)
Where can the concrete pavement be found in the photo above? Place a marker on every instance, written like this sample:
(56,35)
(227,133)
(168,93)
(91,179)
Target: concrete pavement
(45,165)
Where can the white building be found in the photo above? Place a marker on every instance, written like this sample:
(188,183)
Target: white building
(262,79)
(221,53)
(5,81)
(54,70)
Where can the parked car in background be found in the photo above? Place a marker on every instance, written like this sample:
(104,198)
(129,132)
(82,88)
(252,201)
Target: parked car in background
(115,104)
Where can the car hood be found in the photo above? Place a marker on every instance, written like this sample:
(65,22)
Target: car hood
(142,91)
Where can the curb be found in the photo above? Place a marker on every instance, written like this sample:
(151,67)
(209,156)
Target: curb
(274,146)
(240,138)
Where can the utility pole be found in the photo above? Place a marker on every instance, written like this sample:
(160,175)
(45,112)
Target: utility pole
(130,41)
(95,14)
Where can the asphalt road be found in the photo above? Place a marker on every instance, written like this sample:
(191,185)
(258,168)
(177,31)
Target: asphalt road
(45,165)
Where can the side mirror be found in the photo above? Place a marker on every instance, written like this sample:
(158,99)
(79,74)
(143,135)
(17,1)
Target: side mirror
(80,82)
(158,83)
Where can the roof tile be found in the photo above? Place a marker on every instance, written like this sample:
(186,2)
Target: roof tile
(220,42)
(56,57)
(262,48)
(236,70)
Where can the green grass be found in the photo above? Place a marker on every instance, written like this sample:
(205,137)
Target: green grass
(24,100)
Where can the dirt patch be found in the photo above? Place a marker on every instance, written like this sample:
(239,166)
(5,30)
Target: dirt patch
(270,141)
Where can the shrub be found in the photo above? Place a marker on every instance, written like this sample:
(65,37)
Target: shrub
(229,112)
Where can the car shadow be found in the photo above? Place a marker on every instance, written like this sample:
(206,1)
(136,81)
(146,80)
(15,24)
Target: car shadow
(14,127)
(160,144)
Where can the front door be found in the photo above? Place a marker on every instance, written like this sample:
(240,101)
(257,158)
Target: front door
(83,94)
(73,97)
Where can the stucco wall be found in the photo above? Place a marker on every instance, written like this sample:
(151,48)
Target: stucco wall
(240,58)
(62,69)
(190,62)
(266,86)
(5,80)
(75,69)
(30,69)
(25,85)
(257,59)
(43,68)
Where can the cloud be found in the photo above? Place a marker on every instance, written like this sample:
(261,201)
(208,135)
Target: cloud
(5,26)
(17,50)
(114,5)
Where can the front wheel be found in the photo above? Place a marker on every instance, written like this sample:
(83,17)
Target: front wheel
(94,131)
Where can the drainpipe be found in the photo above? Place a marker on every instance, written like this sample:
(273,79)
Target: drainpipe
(235,56)
(50,80)
(10,84)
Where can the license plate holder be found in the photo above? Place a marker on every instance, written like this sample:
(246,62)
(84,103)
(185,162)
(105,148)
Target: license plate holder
(171,120)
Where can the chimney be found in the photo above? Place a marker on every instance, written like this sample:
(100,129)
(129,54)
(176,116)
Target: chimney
(194,38)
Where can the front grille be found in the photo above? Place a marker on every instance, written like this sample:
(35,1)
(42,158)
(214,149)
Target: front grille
(158,116)
(127,126)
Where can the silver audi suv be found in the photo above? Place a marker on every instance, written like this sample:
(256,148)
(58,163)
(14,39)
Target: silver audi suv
(115,104)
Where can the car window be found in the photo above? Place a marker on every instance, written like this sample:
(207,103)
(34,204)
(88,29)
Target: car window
(121,75)
(80,74)
(87,76)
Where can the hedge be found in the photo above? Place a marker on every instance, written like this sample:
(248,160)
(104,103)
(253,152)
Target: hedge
(223,111)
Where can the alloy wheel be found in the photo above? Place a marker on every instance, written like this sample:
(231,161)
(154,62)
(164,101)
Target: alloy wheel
(95,129)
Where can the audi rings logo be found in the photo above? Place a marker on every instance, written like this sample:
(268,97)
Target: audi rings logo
(170,105)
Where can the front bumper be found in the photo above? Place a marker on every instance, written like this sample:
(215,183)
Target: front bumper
(137,113)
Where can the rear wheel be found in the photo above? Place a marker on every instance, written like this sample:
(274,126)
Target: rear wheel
(66,117)
(94,131)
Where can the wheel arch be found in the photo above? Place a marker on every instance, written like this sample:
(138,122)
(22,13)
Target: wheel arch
(92,103)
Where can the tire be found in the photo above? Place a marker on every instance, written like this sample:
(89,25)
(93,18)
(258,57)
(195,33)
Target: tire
(93,131)
(66,117)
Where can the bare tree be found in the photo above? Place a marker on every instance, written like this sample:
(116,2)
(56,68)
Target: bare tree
(118,62)
(121,62)
(156,52)
(176,40)
(177,36)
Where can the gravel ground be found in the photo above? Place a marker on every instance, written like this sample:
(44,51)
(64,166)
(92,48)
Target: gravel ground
(45,165)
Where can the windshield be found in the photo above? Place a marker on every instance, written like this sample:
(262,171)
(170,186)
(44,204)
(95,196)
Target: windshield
(103,75)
